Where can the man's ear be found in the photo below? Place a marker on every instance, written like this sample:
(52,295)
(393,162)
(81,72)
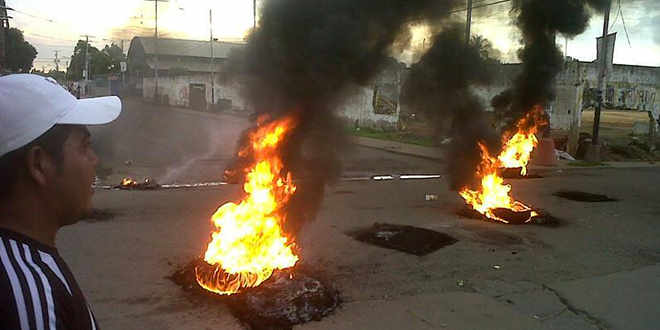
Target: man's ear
(40,165)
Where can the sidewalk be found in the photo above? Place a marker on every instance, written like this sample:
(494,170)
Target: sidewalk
(433,153)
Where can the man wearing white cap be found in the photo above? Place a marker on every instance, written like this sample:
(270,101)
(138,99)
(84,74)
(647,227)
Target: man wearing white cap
(47,167)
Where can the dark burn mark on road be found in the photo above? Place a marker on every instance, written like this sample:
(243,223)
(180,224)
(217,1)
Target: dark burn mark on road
(581,196)
(287,298)
(408,239)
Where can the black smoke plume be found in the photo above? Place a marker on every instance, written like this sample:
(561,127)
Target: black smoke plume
(540,21)
(300,62)
(439,86)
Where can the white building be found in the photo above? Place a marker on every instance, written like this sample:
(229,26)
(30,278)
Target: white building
(185,68)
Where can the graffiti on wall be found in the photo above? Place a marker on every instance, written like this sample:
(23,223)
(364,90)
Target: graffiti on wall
(622,97)
(183,95)
(385,99)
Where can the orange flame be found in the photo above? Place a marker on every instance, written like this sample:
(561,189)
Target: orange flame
(517,148)
(249,243)
(128,182)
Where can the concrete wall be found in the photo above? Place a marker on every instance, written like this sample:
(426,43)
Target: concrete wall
(358,110)
(562,111)
(502,81)
(377,104)
(177,89)
(566,110)
(567,106)
(629,87)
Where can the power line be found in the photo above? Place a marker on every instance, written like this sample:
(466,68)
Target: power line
(36,35)
(617,15)
(50,20)
(50,45)
(480,6)
(623,20)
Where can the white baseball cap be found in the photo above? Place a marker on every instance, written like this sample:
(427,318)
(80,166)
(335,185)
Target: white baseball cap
(30,105)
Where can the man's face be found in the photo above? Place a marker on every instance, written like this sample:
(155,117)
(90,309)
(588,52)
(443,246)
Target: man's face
(75,176)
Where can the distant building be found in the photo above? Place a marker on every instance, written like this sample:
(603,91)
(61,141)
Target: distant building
(185,68)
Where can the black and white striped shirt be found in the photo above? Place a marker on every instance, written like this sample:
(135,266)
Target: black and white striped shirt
(37,289)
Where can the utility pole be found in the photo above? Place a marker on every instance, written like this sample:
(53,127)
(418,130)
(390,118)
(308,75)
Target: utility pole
(4,34)
(57,61)
(254,15)
(212,59)
(156,98)
(86,63)
(86,75)
(594,153)
(469,22)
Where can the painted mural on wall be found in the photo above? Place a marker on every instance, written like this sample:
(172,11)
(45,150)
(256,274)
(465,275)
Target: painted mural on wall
(385,99)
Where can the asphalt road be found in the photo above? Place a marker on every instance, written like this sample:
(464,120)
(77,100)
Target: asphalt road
(180,145)
(597,270)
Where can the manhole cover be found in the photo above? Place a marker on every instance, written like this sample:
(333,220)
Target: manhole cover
(581,196)
(408,239)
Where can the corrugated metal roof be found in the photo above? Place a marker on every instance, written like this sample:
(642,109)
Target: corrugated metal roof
(183,47)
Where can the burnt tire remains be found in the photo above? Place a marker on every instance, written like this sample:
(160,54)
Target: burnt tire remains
(287,298)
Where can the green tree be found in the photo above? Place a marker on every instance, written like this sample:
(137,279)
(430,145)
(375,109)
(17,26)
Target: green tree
(60,76)
(77,62)
(116,56)
(486,49)
(20,53)
(100,61)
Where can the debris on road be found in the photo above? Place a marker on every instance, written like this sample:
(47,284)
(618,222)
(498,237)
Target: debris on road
(130,184)
(431,197)
(563,155)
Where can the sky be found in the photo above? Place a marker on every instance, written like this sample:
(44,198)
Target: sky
(57,25)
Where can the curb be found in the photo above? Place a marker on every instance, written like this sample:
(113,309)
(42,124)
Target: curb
(398,152)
